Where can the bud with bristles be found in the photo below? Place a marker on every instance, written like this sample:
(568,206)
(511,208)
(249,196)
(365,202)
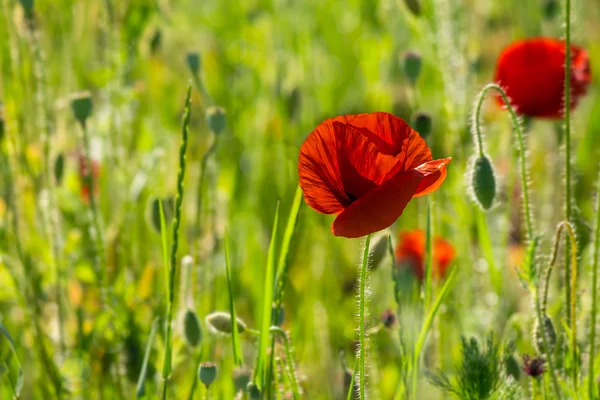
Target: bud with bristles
(423,124)
(216,119)
(192,332)
(194,62)
(220,322)
(207,373)
(411,65)
(253,391)
(483,182)
(241,378)
(548,328)
(81,103)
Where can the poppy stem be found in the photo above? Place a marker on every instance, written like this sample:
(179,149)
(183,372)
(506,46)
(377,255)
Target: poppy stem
(521,143)
(361,323)
(555,386)
(591,377)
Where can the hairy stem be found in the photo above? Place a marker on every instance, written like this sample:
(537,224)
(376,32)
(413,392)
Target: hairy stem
(361,323)
(591,376)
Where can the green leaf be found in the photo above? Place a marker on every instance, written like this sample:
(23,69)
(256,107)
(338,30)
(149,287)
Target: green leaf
(20,376)
(140,389)
(235,335)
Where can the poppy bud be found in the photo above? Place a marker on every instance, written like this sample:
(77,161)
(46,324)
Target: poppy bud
(27,7)
(194,62)
(59,168)
(156,41)
(413,6)
(253,391)
(207,373)
(411,64)
(551,8)
(538,339)
(422,123)
(81,103)
(221,322)
(216,119)
(483,182)
(192,331)
(241,378)
(512,367)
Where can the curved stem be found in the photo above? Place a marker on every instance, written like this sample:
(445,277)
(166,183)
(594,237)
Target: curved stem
(290,359)
(361,323)
(591,378)
(521,143)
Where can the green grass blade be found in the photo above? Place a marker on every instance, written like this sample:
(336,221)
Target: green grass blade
(165,243)
(427,325)
(235,335)
(259,370)
(485,244)
(428,257)
(351,388)
(19,383)
(140,389)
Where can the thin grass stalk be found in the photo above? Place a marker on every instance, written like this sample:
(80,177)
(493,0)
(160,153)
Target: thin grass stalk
(290,360)
(235,335)
(361,323)
(428,258)
(552,371)
(140,390)
(591,374)
(167,367)
(521,143)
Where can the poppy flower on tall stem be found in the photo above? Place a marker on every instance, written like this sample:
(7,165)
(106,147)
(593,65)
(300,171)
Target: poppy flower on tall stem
(410,252)
(532,72)
(365,169)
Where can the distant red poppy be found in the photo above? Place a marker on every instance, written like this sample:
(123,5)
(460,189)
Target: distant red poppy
(411,251)
(84,176)
(366,168)
(532,71)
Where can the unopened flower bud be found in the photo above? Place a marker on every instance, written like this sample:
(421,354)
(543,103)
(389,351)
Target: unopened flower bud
(253,391)
(483,182)
(423,124)
(192,332)
(241,378)
(413,6)
(548,329)
(216,119)
(550,8)
(27,7)
(533,366)
(81,103)
(207,373)
(411,64)
(194,62)
(220,322)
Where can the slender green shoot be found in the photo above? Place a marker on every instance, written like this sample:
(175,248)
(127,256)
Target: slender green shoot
(18,386)
(235,335)
(362,350)
(140,388)
(591,370)
(428,257)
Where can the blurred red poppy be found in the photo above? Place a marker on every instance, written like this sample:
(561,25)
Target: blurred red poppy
(366,168)
(532,72)
(84,176)
(410,252)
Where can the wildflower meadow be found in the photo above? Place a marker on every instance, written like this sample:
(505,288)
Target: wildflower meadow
(316,199)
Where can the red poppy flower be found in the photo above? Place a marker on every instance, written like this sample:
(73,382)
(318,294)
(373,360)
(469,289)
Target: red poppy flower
(532,72)
(411,251)
(84,176)
(366,168)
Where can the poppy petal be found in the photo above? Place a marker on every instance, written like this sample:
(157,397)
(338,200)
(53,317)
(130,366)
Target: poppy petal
(435,172)
(318,171)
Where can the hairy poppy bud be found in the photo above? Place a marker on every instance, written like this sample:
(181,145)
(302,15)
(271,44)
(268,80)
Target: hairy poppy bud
(207,373)
(551,8)
(216,119)
(548,329)
(192,332)
(411,64)
(413,6)
(253,391)
(483,182)
(81,103)
(221,322)
(422,123)
(59,168)
(194,62)
(241,378)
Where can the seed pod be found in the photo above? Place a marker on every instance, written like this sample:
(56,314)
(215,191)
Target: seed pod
(413,6)
(253,391)
(411,65)
(483,182)
(194,62)
(207,373)
(216,119)
(220,322)
(192,331)
(59,168)
(241,378)
(422,123)
(538,340)
(82,105)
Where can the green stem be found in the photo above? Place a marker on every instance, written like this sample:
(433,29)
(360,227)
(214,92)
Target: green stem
(591,376)
(176,224)
(555,386)
(521,144)
(202,179)
(362,349)
(290,360)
